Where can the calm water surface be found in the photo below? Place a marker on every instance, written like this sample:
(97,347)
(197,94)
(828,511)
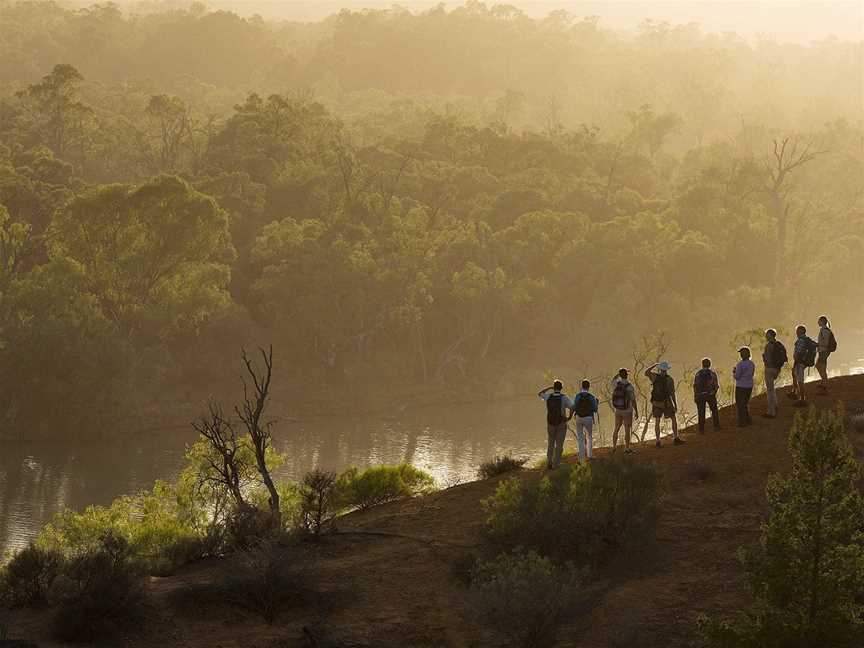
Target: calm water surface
(39,478)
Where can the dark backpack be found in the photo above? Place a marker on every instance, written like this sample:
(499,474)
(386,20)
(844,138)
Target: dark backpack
(660,392)
(621,396)
(808,356)
(554,415)
(583,405)
(832,342)
(777,355)
(704,384)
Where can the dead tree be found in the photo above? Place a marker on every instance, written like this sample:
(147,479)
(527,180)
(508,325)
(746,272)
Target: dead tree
(227,464)
(251,412)
(786,156)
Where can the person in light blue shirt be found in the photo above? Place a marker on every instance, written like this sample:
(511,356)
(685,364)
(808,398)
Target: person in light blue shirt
(584,410)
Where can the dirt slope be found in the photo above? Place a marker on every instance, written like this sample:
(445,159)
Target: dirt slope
(387,577)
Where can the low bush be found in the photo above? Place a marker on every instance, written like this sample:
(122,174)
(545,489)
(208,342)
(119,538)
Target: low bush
(27,578)
(265,581)
(856,423)
(699,470)
(523,595)
(583,513)
(99,594)
(382,484)
(499,466)
(319,500)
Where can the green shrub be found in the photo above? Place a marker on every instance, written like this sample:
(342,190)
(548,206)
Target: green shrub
(319,500)
(163,528)
(265,581)
(523,595)
(499,466)
(98,594)
(583,513)
(806,573)
(27,578)
(382,484)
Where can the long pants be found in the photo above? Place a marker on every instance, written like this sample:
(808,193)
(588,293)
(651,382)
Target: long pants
(742,403)
(822,366)
(711,402)
(585,436)
(555,447)
(771,376)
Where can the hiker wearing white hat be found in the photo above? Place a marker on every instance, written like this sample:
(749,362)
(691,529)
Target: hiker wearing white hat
(663,402)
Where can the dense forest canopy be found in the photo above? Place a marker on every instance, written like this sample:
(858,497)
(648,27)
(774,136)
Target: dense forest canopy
(438,199)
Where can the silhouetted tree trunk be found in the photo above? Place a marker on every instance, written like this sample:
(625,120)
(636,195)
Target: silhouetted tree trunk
(251,413)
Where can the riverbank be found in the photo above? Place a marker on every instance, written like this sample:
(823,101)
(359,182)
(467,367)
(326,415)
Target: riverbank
(390,576)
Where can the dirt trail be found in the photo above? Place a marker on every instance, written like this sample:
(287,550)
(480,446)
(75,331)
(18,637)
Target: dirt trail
(388,576)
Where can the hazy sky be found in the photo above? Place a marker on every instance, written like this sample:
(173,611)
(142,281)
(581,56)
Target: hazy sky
(787,20)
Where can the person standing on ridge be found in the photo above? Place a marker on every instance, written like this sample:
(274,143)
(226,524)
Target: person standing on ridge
(663,402)
(743,374)
(705,388)
(557,404)
(773,357)
(827,345)
(625,407)
(803,357)
(584,409)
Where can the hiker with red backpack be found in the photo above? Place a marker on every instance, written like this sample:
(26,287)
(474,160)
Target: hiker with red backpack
(557,404)
(803,357)
(743,374)
(773,357)
(663,402)
(827,344)
(705,388)
(625,407)
(585,406)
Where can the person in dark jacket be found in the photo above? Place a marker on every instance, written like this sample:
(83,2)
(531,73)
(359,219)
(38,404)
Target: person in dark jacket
(773,357)
(705,388)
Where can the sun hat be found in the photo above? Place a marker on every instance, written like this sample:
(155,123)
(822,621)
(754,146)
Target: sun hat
(664,366)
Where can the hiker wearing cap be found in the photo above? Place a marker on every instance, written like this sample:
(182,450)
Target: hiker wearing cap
(773,357)
(705,388)
(663,403)
(827,344)
(743,373)
(625,407)
(584,409)
(557,404)
(803,357)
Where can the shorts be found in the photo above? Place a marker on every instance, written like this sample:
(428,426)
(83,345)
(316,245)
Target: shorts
(663,411)
(623,417)
(799,370)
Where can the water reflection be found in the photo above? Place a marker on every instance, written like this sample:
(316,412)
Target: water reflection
(38,478)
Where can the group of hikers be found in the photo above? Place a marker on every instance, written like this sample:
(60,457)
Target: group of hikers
(583,408)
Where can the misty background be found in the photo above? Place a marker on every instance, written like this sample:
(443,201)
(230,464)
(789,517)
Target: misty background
(428,210)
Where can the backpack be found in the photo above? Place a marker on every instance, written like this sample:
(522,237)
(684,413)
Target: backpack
(583,405)
(808,356)
(660,392)
(832,342)
(554,416)
(779,357)
(621,396)
(704,384)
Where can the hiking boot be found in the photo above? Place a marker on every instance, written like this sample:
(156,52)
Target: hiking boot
(629,451)
(768,416)
(679,441)
(657,444)
(792,395)
(799,403)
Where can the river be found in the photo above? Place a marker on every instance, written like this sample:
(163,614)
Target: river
(37,479)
